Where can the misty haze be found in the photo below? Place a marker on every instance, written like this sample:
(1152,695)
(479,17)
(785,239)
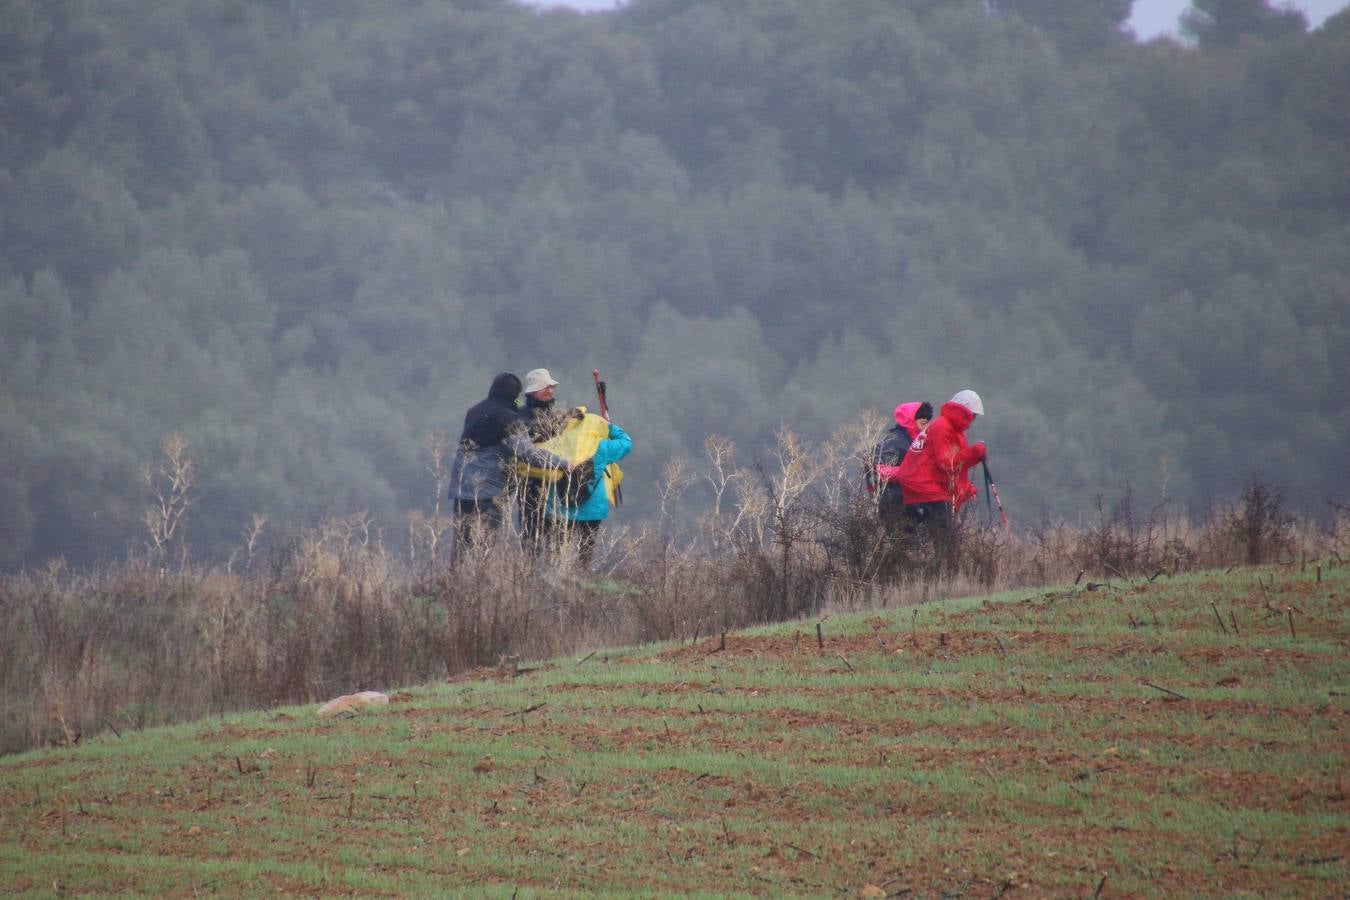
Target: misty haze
(305,236)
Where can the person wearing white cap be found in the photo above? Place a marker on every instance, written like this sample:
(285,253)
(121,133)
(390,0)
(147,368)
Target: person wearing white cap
(933,473)
(543,423)
(539,387)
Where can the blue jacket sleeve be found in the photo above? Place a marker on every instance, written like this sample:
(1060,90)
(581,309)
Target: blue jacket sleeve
(615,448)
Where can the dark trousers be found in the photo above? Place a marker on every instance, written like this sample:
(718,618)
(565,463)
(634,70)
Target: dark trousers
(586,533)
(534,520)
(931,524)
(476,519)
(891,509)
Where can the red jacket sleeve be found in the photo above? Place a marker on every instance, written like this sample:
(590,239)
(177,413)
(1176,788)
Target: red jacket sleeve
(971,456)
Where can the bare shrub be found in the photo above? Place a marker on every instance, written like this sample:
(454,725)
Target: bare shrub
(1260,524)
(1109,546)
(1049,556)
(1122,545)
(854,546)
(252,536)
(677,592)
(331,610)
(1333,541)
(982,554)
(1255,529)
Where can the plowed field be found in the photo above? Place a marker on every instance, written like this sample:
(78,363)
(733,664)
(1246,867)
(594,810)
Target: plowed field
(1184,736)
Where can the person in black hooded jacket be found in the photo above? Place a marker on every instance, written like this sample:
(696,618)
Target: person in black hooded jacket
(494,437)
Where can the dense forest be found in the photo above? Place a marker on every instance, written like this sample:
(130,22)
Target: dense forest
(305,234)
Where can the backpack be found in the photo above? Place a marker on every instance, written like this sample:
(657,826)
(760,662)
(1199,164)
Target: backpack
(576,487)
(578,440)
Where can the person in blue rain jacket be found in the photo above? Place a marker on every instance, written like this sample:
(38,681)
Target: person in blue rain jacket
(584,519)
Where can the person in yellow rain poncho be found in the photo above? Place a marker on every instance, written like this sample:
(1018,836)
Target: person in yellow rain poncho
(579,503)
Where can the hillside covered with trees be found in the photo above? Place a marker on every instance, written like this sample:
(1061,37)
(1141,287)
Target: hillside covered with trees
(305,235)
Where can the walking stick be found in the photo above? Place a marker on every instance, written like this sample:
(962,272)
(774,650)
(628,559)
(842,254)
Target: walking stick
(990,486)
(603,398)
(600,393)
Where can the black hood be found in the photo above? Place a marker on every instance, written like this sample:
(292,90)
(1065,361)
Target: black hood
(489,421)
(505,387)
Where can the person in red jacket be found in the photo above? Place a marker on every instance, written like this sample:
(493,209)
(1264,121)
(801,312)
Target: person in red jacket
(933,472)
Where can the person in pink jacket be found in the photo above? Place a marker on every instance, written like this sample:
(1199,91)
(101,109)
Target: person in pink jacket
(910,419)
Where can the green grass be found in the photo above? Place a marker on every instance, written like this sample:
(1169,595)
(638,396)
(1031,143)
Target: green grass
(971,745)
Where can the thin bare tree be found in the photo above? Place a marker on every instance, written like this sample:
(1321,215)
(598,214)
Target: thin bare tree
(170,481)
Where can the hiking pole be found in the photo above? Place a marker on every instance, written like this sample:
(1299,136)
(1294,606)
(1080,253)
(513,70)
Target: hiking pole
(990,486)
(600,394)
(602,397)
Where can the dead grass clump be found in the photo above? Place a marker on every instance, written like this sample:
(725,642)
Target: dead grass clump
(331,610)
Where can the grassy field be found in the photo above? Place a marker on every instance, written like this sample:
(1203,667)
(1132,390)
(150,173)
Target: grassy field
(1182,736)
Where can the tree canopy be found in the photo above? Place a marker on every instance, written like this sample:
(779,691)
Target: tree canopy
(305,235)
